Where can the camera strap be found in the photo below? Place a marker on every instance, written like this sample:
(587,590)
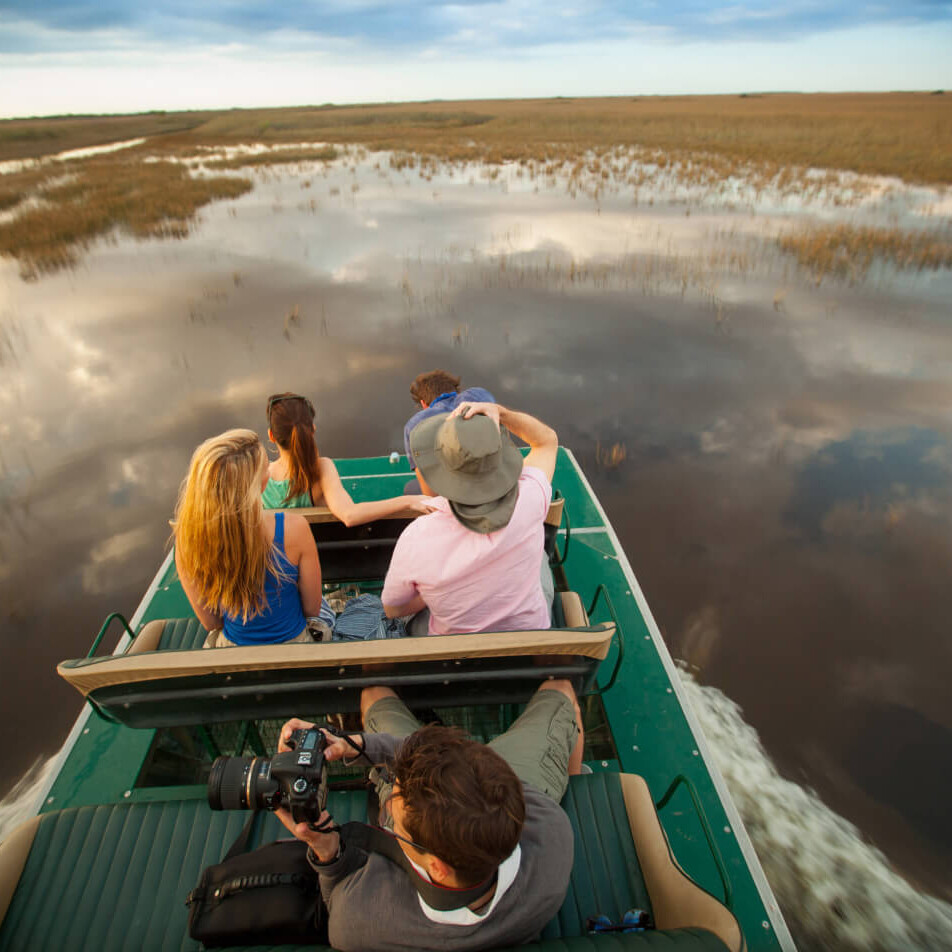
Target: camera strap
(436,896)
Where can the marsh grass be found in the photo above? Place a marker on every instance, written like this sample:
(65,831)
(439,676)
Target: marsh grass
(275,157)
(32,138)
(849,251)
(143,199)
(908,135)
(729,151)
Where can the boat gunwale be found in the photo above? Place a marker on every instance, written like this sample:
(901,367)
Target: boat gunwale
(755,870)
(771,906)
(80,722)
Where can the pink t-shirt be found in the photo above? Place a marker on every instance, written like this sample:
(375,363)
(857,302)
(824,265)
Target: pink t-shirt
(472,581)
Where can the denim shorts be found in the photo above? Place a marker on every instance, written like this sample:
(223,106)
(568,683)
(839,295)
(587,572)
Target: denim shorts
(537,746)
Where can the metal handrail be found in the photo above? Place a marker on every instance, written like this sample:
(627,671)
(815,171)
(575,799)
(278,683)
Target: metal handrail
(706,829)
(105,625)
(602,591)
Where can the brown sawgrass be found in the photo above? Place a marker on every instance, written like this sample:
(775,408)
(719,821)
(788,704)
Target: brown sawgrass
(143,199)
(275,157)
(849,251)
(591,147)
(32,138)
(908,135)
(904,134)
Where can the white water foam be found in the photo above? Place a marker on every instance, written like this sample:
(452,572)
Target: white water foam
(21,802)
(836,890)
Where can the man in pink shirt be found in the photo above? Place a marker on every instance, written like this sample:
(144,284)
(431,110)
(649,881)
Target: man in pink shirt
(475,561)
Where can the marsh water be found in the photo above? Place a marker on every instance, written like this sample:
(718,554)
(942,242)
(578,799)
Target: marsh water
(775,455)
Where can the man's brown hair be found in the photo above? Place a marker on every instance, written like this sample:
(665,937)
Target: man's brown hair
(462,801)
(427,387)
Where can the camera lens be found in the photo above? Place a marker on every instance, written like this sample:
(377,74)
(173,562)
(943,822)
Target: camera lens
(228,783)
(243,783)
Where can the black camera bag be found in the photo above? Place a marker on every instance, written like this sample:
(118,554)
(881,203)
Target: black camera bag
(269,896)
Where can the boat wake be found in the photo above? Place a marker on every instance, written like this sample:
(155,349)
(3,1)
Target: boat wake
(20,803)
(836,890)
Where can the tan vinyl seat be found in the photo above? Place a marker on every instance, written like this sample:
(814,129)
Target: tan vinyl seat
(677,902)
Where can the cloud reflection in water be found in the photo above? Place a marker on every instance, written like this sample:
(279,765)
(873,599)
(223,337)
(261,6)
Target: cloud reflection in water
(782,494)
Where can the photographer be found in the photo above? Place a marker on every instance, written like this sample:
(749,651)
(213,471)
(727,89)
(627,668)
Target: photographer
(466,815)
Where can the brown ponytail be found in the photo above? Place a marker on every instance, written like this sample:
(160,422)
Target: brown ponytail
(291,419)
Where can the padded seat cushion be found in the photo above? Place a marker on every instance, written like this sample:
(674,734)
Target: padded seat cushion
(182,634)
(114,878)
(169,634)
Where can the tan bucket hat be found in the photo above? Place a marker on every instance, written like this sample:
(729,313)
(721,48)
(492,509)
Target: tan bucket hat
(473,463)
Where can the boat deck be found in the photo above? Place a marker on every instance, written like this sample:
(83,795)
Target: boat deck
(653,732)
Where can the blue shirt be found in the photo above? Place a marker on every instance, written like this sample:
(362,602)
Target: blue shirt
(283,619)
(444,403)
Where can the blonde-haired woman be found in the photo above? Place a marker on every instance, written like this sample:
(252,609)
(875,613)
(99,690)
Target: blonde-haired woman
(255,575)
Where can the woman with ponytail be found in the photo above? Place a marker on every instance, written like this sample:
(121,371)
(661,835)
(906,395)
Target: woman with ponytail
(300,476)
(252,577)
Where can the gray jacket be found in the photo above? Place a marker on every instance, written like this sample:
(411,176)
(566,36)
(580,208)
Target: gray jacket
(373,905)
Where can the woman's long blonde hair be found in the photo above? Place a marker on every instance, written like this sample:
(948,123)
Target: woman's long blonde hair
(218,525)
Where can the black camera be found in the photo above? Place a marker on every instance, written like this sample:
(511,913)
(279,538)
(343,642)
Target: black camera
(296,779)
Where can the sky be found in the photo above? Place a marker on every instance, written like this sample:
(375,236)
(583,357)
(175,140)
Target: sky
(61,56)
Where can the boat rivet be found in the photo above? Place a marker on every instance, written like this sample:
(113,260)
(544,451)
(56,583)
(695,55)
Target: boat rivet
(604,763)
(695,753)
(51,799)
(635,747)
(340,670)
(765,924)
(127,794)
(86,730)
(604,556)
(647,637)
(727,829)
(340,687)
(670,690)
(627,591)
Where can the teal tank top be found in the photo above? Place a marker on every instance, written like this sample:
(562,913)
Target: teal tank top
(275,492)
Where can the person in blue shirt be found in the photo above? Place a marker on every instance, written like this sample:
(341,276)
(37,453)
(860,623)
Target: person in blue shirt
(437,392)
(252,577)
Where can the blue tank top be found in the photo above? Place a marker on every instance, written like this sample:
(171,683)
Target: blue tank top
(283,619)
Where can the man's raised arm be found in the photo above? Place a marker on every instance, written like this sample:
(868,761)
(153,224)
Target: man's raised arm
(543,440)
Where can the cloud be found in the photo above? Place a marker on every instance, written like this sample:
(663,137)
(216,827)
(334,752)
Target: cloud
(416,26)
(871,478)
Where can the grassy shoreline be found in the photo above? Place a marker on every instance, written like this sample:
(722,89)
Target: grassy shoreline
(53,210)
(907,135)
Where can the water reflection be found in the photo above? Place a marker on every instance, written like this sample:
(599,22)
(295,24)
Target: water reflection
(869,482)
(781,483)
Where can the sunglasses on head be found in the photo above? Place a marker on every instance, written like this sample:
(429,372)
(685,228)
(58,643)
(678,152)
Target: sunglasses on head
(282,397)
